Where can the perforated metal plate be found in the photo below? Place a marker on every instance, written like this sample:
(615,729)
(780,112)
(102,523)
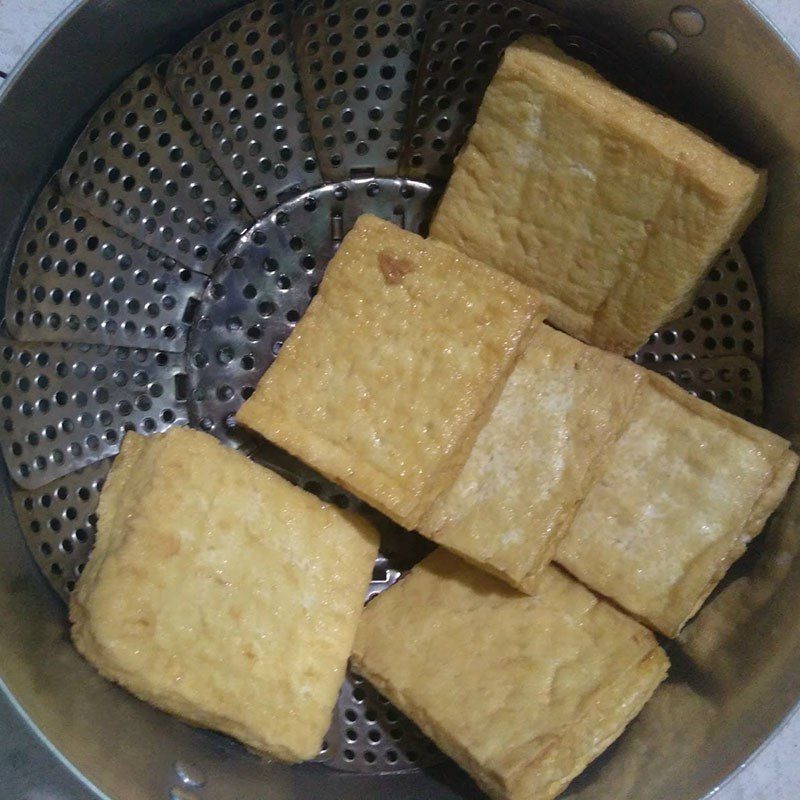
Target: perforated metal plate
(265,284)
(725,318)
(731,382)
(58,522)
(357,63)
(370,734)
(238,86)
(462,49)
(139,166)
(77,279)
(65,405)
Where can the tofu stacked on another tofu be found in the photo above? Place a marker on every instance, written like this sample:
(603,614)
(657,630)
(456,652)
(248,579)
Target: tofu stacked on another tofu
(221,593)
(639,489)
(535,458)
(388,378)
(681,493)
(613,210)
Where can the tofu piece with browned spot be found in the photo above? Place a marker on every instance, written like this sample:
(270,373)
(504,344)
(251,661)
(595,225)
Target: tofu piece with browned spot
(219,592)
(682,492)
(523,692)
(611,209)
(535,459)
(388,378)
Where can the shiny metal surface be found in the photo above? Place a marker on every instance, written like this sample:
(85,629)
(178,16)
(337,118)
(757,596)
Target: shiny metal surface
(77,279)
(357,64)
(68,405)
(733,677)
(238,86)
(139,165)
(58,522)
(725,318)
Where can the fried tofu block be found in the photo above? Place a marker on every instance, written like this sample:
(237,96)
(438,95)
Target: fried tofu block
(219,592)
(388,378)
(613,210)
(534,460)
(523,692)
(644,492)
(684,490)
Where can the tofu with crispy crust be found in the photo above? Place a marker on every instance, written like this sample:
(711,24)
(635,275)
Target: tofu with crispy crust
(611,209)
(682,492)
(521,691)
(535,459)
(388,378)
(221,593)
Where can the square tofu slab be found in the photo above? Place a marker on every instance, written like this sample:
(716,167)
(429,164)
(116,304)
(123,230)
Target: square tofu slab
(682,492)
(523,692)
(613,210)
(533,462)
(387,379)
(219,592)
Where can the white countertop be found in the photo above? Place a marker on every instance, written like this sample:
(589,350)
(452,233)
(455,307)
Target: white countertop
(774,773)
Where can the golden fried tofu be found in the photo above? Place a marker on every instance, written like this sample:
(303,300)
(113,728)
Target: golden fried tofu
(683,490)
(533,462)
(219,592)
(523,692)
(613,210)
(644,492)
(387,379)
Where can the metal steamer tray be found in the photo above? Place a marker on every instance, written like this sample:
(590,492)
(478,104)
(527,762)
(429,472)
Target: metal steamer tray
(173,194)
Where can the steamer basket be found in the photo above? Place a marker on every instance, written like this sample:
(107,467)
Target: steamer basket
(176,178)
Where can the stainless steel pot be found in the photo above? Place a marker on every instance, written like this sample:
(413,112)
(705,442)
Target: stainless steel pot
(68,733)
